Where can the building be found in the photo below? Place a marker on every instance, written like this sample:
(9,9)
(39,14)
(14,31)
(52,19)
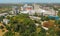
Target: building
(15,10)
(3,14)
(49,12)
(27,9)
(36,7)
(45,10)
(31,10)
(5,21)
(34,18)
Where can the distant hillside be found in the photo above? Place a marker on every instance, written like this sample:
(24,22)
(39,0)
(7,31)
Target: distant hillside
(20,4)
(2,5)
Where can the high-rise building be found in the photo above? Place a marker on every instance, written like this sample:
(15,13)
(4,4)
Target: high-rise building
(15,10)
(36,6)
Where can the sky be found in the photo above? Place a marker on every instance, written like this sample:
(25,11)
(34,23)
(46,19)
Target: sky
(30,1)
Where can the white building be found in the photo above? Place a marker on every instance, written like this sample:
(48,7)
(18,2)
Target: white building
(3,14)
(35,18)
(24,12)
(46,12)
(29,10)
(36,7)
(5,21)
(32,12)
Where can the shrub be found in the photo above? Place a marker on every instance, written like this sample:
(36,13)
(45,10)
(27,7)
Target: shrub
(1,27)
(3,30)
(9,33)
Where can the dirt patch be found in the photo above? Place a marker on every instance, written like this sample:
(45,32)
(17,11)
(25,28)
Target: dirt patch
(1,30)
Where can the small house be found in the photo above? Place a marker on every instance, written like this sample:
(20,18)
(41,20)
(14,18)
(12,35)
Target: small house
(5,21)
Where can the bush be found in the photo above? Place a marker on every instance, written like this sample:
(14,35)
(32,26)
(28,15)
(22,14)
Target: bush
(9,33)
(58,33)
(8,28)
(3,30)
(1,27)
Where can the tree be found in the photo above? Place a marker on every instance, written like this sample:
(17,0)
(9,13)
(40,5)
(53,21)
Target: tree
(1,18)
(22,24)
(58,33)
(58,13)
(9,33)
(46,18)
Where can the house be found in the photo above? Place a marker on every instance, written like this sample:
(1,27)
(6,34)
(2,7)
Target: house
(5,21)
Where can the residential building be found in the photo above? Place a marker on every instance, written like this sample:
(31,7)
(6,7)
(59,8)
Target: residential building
(5,21)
